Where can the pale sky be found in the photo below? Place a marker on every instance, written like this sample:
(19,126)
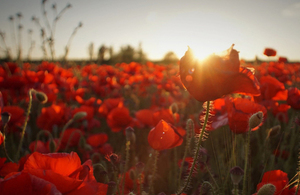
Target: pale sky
(206,26)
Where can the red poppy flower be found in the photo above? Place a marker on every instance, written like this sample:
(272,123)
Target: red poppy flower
(279,179)
(70,138)
(118,118)
(216,76)
(108,105)
(27,184)
(269,52)
(145,116)
(239,112)
(96,140)
(7,168)
(65,172)
(129,182)
(165,136)
(1,138)
(270,86)
(293,98)
(52,115)
(282,60)
(39,146)
(88,109)
(166,115)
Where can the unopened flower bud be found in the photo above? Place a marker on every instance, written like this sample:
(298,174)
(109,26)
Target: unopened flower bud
(5,117)
(88,147)
(79,115)
(256,119)
(130,135)
(41,96)
(236,174)
(267,189)
(174,108)
(274,131)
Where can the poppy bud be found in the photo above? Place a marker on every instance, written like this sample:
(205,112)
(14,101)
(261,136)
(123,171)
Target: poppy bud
(174,108)
(5,117)
(274,131)
(79,115)
(41,96)
(130,135)
(88,147)
(267,189)
(256,119)
(236,174)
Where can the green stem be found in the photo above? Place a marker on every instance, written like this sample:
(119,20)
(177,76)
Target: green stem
(247,148)
(187,146)
(197,151)
(126,164)
(151,187)
(62,133)
(25,124)
(39,135)
(4,145)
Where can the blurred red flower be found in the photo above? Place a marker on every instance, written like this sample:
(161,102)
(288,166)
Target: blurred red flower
(282,60)
(145,116)
(65,172)
(269,52)
(118,118)
(279,179)
(165,136)
(27,184)
(216,76)
(97,139)
(1,138)
(293,98)
(7,168)
(270,87)
(239,112)
(166,115)
(52,115)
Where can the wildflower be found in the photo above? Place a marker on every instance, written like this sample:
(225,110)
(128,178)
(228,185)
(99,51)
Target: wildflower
(165,136)
(269,52)
(65,172)
(256,119)
(293,98)
(279,179)
(216,76)
(239,112)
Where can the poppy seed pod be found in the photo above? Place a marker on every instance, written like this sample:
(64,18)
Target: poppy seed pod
(5,117)
(236,174)
(41,96)
(256,119)
(267,189)
(79,115)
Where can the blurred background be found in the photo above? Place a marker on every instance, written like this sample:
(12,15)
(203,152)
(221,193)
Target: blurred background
(147,30)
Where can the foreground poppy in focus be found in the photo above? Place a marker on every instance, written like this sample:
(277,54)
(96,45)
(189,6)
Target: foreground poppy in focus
(216,76)
(165,136)
(62,170)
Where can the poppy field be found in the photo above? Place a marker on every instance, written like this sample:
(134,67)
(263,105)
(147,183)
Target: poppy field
(217,126)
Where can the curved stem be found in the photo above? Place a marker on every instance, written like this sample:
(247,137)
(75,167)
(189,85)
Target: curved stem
(38,137)
(197,151)
(4,146)
(62,133)
(25,124)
